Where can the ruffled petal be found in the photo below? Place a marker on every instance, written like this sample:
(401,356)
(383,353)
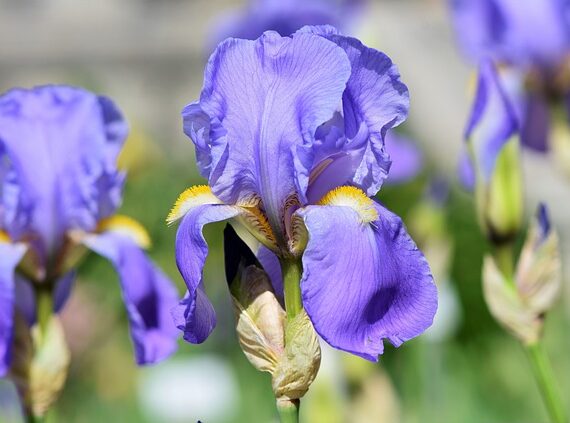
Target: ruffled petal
(265,100)
(62,144)
(363,282)
(147,292)
(10,256)
(374,101)
(195,315)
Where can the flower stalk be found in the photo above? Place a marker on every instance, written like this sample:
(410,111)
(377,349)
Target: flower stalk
(288,411)
(546,382)
(292,271)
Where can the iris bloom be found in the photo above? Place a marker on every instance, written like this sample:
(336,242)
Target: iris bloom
(530,41)
(289,132)
(287,16)
(491,164)
(59,189)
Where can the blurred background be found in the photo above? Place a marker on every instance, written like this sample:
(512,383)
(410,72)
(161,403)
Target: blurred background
(149,55)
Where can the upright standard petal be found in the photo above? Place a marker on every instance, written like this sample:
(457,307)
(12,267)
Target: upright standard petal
(506,30)
(265,100)
(375,100)
(62,144)
(148,295)
(365,282)
(195,315)
(492,123)
(10,256)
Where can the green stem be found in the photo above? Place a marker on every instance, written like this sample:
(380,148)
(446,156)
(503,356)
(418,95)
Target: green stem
(288,411)
(292,271)
(45,308)
(546,382)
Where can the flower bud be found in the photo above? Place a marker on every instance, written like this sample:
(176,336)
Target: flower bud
(260,319)
(501,202)
(520,304)
(41,361)
(299,365)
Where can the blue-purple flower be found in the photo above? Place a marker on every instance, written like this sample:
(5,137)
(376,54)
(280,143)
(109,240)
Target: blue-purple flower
(59,190)
(289,132)
(530,41)
(406,157)
(490,164)
(286,17)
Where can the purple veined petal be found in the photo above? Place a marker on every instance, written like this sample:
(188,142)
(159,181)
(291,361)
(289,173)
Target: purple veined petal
(406,157)
(265,100)
(10,256)
(364,282)
(375,100)
(62,143)
(506,31)
(148,295)
(492,122)
(195,314)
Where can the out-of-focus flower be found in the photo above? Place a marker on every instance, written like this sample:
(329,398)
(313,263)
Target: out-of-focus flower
(286,17)
(59,189)
(530,41)
(289,132)
(491,161)
(406,157)
(520,305)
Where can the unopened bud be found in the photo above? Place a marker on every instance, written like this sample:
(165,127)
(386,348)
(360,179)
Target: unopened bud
(500,201)
(520,304)
(300,363)
(41,361)
(260,319)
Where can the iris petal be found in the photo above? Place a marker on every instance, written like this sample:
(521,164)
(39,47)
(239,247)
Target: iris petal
(195,315)
(364,282)
(265,100)
(147,293)
(62,143)
(10,254)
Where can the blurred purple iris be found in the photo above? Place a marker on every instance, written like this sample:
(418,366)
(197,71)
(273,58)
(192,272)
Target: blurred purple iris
(491,125)
(286,17)
(59,188)
(530,41)
(289,132)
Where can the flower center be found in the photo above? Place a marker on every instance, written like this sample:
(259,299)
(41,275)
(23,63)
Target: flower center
(4,237)
(355,198)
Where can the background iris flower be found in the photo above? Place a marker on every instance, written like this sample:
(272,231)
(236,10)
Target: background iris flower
(289,132)
(531,44)
(59,190)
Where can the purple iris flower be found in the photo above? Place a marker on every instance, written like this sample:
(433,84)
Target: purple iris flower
(531,42)
(59,189)
(286,17)
(406,157)
(289,132)
(491,125)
